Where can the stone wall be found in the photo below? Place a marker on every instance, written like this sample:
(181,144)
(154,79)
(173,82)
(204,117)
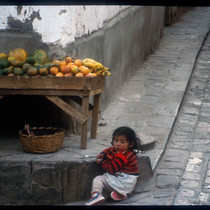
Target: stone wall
(52,182)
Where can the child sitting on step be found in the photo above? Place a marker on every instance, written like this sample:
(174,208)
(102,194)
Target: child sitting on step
(120,165)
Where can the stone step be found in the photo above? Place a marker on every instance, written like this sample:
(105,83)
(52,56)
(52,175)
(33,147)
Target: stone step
(52,182)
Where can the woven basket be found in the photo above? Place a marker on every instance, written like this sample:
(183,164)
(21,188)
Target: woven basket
(45,139)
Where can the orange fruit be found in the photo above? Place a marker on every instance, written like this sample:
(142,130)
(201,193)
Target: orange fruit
(84,70)
(70,63)
(65,69)
(68,75)
(91,75)
(54,70)
(78,62)
(56,62)
(59,74)
(62,63)
(74,69)
(43,71)
(79,74)
(68,59)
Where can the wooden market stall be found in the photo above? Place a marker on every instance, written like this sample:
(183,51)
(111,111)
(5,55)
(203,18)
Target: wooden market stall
(79,89)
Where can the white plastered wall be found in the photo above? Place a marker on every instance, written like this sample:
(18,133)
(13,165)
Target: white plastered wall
(60,24)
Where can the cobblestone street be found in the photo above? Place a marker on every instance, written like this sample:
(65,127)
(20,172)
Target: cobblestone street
(183,175)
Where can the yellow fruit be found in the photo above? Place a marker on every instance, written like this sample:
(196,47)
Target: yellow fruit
(59,74)
(91,75)
(68,75)
(92,64)
(3,55)
(18,54)
(79,74)
(74,69)
(11,75)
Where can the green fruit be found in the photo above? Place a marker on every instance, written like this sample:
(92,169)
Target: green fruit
(32,71)
(43,71)
(38,65)
(50,75)
(30,60)
(48,65)
(26,66)
(17,63)
(4,63)
(7,71)
(18,71)
(40,56)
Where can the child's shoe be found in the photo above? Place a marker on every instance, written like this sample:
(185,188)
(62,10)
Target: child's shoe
(117,196)
(96,198)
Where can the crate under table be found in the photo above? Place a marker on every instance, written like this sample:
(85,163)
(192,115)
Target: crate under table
(78,89)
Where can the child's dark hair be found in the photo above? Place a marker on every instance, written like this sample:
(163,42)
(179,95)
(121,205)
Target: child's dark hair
(130,136)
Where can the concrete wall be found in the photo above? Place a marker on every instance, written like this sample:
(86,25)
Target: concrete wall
(173,14)
(122,39)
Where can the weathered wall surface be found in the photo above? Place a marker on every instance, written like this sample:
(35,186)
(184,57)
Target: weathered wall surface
(56,25)
(119,37)
(173,14)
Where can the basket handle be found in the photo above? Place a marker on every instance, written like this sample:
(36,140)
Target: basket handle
(29,130)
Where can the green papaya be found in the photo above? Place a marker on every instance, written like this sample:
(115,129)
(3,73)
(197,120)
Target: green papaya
(26,66)
(18,71)
(40,56)
(4,63)
(8,70)
(31,60)
(32,71)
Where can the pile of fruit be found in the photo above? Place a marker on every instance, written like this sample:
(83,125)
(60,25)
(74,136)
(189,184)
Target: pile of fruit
(19,63)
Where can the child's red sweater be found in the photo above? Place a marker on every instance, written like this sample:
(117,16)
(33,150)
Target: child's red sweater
(123,161)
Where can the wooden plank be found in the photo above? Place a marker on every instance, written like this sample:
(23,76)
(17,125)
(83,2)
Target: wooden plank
(81,118)
(95,115)
(78,100)
(44,92)
(56,83)
(85,112)
(96,91)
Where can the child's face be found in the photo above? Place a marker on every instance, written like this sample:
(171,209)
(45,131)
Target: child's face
(120,143)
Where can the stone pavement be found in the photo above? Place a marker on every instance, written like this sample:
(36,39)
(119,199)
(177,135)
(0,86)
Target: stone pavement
(152,102)
(168,100)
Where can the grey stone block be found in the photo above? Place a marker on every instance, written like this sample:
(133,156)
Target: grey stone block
(15,182)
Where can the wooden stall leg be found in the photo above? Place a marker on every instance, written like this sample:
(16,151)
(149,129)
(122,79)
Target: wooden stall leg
(95,115)
(85,111)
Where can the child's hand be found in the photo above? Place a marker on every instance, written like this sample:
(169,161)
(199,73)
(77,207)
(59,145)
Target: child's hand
(99,158)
